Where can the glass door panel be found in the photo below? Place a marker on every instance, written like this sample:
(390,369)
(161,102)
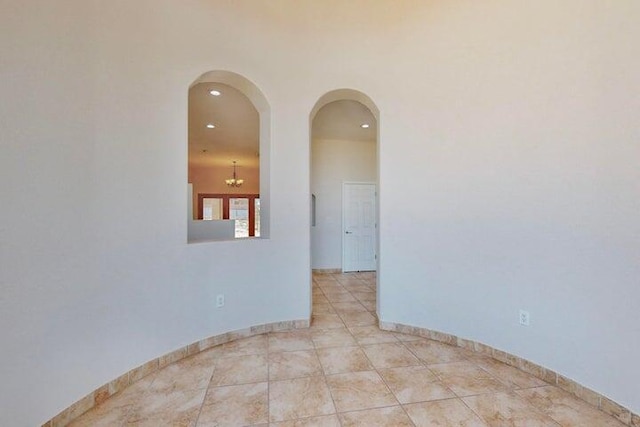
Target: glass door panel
(211,208)
(257,218)
(239,210)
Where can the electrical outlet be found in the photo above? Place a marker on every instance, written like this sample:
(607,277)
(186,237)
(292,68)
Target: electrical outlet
(220,300)
(524,318)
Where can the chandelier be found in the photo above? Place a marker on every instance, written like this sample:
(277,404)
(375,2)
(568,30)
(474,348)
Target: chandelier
(234,182)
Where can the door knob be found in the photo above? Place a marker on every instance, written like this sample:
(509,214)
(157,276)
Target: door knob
(348,232)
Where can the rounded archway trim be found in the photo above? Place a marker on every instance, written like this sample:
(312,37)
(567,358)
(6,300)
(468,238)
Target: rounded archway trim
(243,84)
(345,94)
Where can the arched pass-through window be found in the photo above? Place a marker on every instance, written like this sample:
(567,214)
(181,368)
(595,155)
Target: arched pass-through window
(229,152)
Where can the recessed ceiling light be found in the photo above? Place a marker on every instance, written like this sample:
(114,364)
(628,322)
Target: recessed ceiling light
(364,125)
(215,92)
(211,126)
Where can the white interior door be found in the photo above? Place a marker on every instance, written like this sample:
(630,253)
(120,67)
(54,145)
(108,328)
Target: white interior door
(358,226)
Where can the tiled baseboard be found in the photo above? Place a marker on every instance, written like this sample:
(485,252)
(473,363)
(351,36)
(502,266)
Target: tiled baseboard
(595,399)
(107,390)
(327,270)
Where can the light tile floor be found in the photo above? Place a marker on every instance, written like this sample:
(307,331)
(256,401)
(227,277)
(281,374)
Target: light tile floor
(343,371)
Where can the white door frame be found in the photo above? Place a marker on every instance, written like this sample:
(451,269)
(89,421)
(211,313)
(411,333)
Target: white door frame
(375,209)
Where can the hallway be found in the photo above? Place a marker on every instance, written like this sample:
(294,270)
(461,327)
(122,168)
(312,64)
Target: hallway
(343,371)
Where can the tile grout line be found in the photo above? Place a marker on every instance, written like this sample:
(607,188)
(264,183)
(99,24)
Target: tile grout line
(347,329)
(268,378)
(206,393)
(324,375)
(144,393)
(375,369)
(385,382)
(511,387)
(326,380)
(438,377)
(389,388)
(441,382)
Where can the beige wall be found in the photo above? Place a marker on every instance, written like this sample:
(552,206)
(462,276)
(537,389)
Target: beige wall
(508,137)
(332,163)
(211,179)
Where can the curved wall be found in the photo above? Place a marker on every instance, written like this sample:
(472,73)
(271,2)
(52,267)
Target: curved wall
(508,179)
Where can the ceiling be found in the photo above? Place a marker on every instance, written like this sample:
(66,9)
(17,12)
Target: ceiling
(236,135)
(342,120)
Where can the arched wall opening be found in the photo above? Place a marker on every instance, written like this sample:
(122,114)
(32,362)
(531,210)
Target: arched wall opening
(199,231)
(344,165)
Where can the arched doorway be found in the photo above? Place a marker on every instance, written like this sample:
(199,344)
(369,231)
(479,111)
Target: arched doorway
(344,133)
